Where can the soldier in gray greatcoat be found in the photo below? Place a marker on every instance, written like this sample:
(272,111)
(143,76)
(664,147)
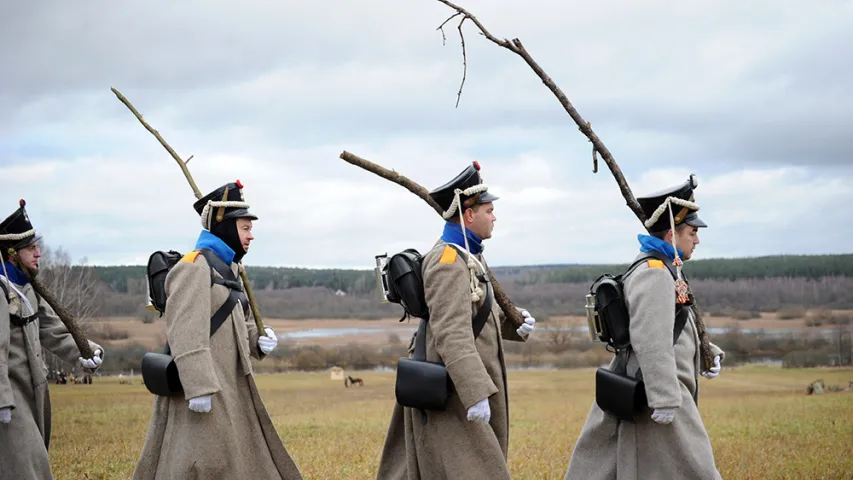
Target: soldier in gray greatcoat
(668,439)
(28,324)
(218,426)
(470,439)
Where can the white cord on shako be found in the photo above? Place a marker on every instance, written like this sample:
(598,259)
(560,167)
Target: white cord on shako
(207,212)
(476,291)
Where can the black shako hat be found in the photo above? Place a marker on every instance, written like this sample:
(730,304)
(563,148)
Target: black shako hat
(471,188)
(680,199)
(225,202)
(16,231)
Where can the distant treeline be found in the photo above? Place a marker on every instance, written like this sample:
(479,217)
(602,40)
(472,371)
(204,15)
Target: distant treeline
(746,286)
(128,279)
(795,266)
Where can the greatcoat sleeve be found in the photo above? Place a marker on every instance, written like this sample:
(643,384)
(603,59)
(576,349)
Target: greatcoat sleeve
(188,326)
(7,400)
(254,350)
(650,295)
(448,295)
(508,330)
(55,337)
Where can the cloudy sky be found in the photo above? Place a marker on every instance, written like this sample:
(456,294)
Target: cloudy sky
(753,97)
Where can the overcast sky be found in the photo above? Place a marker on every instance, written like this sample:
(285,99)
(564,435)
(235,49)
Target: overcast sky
(753,97)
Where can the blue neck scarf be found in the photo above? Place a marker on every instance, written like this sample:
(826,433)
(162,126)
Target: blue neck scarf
(453,234)
(649,243)
(16,275)
(216,245)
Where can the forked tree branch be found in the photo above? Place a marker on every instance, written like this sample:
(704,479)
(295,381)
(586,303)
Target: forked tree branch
(516,47)
(512,314)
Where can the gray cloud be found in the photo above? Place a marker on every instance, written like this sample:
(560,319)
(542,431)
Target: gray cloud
(271,93)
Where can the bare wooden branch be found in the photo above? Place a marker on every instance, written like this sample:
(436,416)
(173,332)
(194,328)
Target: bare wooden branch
(512,314)
(252,303)
(65,316)
(156,134)
(393,176)
(516,47)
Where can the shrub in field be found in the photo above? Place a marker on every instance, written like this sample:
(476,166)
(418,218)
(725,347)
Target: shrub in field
(791,313)
(746,315)
(107,332)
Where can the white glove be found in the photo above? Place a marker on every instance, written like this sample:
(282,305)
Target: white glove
(92,363)
(5,415)
(200,404)
(714,372)
(267,342)
(527,327)
(663,415)
(480,411)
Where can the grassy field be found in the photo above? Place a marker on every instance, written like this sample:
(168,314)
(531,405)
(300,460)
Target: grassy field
(761,423)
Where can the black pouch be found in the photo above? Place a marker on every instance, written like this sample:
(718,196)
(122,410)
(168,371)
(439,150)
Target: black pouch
(160,374)
(619,395)
(422,385)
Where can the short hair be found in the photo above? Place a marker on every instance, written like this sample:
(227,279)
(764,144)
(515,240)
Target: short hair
(475,206)
(678,228)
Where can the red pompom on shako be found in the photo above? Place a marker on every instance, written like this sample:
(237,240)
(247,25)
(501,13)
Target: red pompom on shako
(239,184)
(477,165)
(22,203)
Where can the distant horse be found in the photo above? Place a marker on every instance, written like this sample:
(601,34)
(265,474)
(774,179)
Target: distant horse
(353,381)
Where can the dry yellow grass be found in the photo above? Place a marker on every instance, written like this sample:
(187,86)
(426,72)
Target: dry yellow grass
(761,423)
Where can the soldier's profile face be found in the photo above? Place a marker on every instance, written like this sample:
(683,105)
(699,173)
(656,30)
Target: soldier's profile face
(28,257)
(244,230)
(481,220)
(686,240)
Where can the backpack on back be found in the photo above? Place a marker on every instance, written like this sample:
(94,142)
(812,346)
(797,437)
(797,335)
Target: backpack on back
(401,281)
(160,263)
(606,311)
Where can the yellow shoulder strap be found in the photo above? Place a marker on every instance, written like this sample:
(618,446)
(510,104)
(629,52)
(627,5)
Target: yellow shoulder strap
(190,257)
(448,255)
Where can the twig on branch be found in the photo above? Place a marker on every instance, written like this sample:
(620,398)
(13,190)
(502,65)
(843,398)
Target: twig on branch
(516,47)
(183,164)
(464,55)
(512,314)
(464,62)
(441,27)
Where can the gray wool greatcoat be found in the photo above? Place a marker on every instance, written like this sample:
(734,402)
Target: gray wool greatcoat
(450,446)
(25,440)
(236,439)
(609,449)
